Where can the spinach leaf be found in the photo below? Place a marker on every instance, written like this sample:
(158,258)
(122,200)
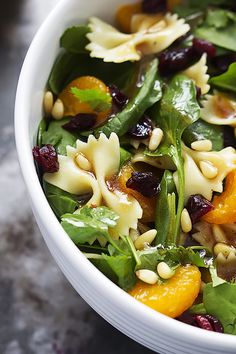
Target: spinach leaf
(219,28)
(89,224)
(69,66)
(220,301)
(119,268)
(41,129)
(147,95)
(201,130)
(226,81)
(124,156)
(57,136)
(165,210)
(177,110)
(74,39)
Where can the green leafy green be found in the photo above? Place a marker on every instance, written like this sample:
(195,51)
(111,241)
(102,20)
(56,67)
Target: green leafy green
(41,129)
(89,224)
(201,130)
(216,281)
(124,156)
(165,212)
(149,93)
(173,256)
(69,66)
(219,28)
(220,301)
(226,81)
(98,100)
(74,39)
(59,137)
(177,110)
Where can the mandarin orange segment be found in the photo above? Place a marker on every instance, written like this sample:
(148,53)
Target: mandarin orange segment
(147,204)
(124,15)
(174,296)
(73,106)
(225,204)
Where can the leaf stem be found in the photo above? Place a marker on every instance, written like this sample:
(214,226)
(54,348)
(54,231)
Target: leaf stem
(133,249)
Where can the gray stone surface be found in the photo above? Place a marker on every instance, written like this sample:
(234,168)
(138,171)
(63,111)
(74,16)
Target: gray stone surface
(40,313)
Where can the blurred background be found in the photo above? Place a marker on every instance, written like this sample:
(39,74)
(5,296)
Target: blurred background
(39,311)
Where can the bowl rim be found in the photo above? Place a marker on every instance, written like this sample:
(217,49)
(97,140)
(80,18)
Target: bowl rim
(73,255)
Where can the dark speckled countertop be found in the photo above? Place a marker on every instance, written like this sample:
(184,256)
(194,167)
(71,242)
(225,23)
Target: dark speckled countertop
(40,313)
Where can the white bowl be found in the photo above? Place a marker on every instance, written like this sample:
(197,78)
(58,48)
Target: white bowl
(154,330)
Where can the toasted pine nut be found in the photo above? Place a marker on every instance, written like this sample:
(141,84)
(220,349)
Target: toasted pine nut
(221,258)
(208,169)
(202,145)
(58,110)
(155,140)
(48,103)
(164,271)
(147,276)
(222,248)
(186,223)
(219,233)
(144,239)
(83,162)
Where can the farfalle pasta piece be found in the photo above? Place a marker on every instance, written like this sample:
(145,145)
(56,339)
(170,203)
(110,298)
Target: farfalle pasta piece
(107,43)
(104,157)
(219,109)
(198,73)
(195,181)
(140,22)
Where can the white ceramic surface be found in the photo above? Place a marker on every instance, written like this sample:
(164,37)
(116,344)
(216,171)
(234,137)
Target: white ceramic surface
(158,332)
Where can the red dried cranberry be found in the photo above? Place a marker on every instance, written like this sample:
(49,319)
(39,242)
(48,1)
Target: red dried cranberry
(198,206)
(198,92)
(118,97)
(173,61)
(153,6)
(145,183)
(46,158)
(143,129)
(81,122)
(208,323)
(201,46)
(222,62)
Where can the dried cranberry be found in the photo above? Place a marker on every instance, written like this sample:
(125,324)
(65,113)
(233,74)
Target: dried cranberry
(119,98)
(229,138)
(145,183)
(208,323)
(81,122)
(143,129)
(46,158)
(198,206)
(152,6)
(198,92)
(222,62)
(173,61)
(201,46)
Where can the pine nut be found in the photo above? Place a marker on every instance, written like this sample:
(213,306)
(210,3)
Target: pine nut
(147,276)
(208,169)
(222,248)
(164,271)
(58,110)
(218,234)
(48,103)
(221,258)
(155,140)
(83,162)
(186,223)
(145,239)
(202,145)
